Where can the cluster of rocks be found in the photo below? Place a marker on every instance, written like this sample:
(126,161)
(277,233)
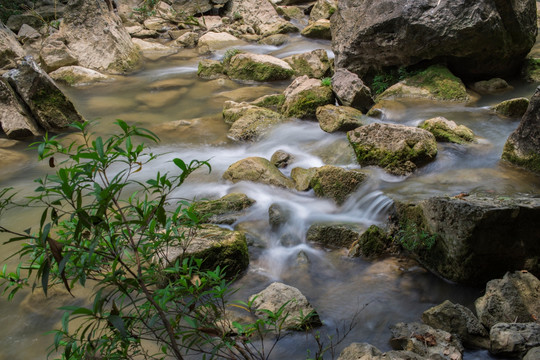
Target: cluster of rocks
(505,323)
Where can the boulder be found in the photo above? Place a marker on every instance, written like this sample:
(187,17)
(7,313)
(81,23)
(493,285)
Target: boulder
(514,339)
(257,169)
(302,178)
(281,159)
(153,50)
(156,23)
(188,40)
(372,243)
(322,9)
(15,22)
(333,235)
(338,118)
(210,69)
(48,105)
(434,83)
(531,70)
(350,90)
(514,108)
(278,215)
(523,145)
(399,149)
(314,64)
(11,50)
(216,246)
(533,354)
(27,33)
(186,8)
(336,183)
(319,29)
(514,298)
(304,96)
(364,351)
(246,66)
(261,16)
(15,121)
(225,210)
(97,37)
(273,102)
(298,314)
(491,86)
(55,54)
(78,75)
(448,131)
(475,38)
(212,41)
(426,341)
(460,321)
(253,123)
(477,237)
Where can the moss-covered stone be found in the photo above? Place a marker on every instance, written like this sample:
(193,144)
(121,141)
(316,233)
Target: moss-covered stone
(307,103)
(302,178)
(256,67)
(336,183)
(372,243)
(531,70)
(448,131)
(339,118)
(334,235)
(530,161)
(224,210)
(210,69)
(314,64)
(257,169)
(254,123)
(273,102)
(514,108)
(319,29)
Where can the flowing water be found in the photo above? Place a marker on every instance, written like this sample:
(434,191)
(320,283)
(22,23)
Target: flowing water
(168,98)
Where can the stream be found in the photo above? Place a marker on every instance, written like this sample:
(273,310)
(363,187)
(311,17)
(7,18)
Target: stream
(185,112)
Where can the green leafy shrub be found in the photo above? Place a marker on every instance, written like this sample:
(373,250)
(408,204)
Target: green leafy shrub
(326,81)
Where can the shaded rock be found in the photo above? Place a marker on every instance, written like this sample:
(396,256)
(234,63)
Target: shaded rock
(15,22)
(319,29)
(11,50)
(514,339)
(281,159)
(515,108)
(27,33)
(78,75)
(448,131)
(97,37)
(338,118)
(302,178)
(225,210)
(533,354)
(364,351)
(55,54)
(299,313)
(322,9)
(257,169)
(314,64)
(491,86)
(458,320)
(186,8)
(278,215)
(253,122)
(531,70)
(399,149)
(189,39)
(434,83)
(49,106)
(334,235)
(15,120)
(260,15)
(210,69)
(350,90)
(476,39)
(214,41)
(246,66)
(372,243)
(216,246)
(146,34)
(426,341)
(477,238)
(523,145)
(304,96)
(336,183)
(514,298)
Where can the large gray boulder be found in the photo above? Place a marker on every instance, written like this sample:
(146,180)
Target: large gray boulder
(48,105)
(477,237)
(475,38)
(10,49)
(15,120)
(397,148)
(97,37)
(514,339)
(458,320)
(514,298)
(523,146)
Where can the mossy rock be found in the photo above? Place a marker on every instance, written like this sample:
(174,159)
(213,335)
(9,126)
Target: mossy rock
(254,123)
(259,170)
(531,70)
(314,64)
(529,161)
(210,69)
(372,243)
(302,178)
(304,96)
(514,108)
(399,149)
(448,131)
(336,183)
(339,118)
(224,210)
(436,83)
(273,102)
(334,235)
(216,246)
(320,29)
(257,67)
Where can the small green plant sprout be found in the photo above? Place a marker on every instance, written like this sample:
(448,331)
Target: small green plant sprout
(229,55)
(326,81)
(412,237)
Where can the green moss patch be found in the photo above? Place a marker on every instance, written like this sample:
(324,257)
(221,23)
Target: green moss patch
(530,162)
(250,70)
(440,82)
(307,102)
